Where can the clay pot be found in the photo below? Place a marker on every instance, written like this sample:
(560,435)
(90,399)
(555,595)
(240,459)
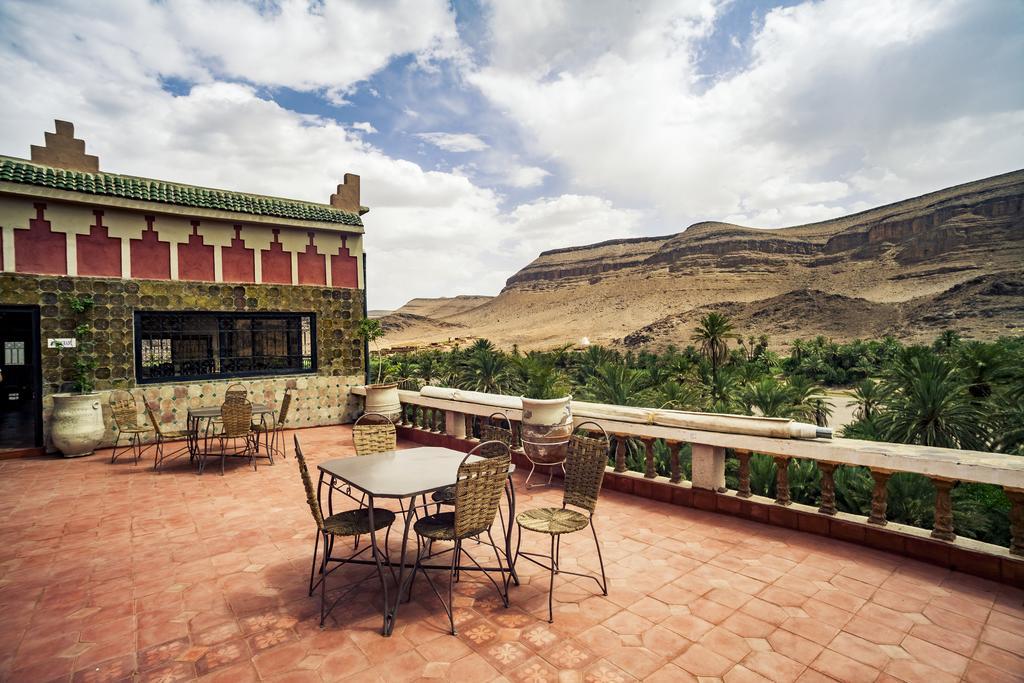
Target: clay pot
(77,423)
(383,399)
(547,426)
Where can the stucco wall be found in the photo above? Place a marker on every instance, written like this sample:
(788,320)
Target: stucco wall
(54,237)
(321,398)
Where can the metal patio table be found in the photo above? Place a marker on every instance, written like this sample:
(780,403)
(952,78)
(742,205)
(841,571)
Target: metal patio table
(408,473)
(195,415)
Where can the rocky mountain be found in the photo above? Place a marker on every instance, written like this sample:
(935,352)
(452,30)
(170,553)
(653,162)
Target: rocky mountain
(952,259)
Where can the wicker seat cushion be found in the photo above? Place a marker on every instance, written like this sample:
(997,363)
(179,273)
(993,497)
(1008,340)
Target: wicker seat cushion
(357,522)
(439,527)
(177,434)
(134,430)
(552,520)
(445,496)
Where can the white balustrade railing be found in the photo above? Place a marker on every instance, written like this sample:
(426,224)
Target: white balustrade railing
(943,466)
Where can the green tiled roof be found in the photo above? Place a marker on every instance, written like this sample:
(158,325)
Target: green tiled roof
(146,189)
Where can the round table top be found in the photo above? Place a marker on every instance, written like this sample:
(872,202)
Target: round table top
(214,411)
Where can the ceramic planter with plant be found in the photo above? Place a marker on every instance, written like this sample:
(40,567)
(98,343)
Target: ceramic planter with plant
(380,397)
(547,416)
(76,426)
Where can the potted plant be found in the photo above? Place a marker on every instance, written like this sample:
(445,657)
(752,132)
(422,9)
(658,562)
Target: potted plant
(77,425)
(547,413)
(380,397)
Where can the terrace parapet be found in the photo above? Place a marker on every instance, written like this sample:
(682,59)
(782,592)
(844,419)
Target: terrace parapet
(452,423)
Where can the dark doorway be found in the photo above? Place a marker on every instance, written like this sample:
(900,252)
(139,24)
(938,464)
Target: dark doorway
(20,388)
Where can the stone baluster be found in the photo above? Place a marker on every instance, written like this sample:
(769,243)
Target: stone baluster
(1016,497)
(467,426)
(437,425)
(828,488)
(708,467)
(620,453)
(782,480)
(649,471)
(455,424)
(878,497)
(942,528)
(744,487)
(673,458)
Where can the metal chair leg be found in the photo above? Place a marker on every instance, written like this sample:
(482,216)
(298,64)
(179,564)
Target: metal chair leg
(113,454)
(323,585)
(551,585)
(312,569)
(600,559)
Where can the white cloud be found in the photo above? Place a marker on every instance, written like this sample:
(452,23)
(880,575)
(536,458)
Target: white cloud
(525,176)
(364,126)
(454,142)
(429,232)
(836,96)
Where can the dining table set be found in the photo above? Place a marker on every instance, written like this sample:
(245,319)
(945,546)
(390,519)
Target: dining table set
(440,502)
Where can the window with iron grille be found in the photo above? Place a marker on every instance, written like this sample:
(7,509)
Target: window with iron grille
(185,345)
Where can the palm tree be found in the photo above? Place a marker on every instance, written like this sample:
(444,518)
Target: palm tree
(770,397)
(929,403)
(481,345)
(485,370)
(867,396)
(615,384)
(809,401)
(712,333)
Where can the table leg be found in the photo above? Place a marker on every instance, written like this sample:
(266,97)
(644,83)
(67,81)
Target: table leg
(510,492)
(403,580)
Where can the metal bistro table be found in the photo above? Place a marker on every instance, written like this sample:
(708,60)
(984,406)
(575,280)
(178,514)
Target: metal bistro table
(408,473)
(195,415)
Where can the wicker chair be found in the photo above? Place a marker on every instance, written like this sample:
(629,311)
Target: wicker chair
(163,436)
(236,419)
(272,432)
(125,411)
(491,436)
(236,392)
(349,523)
(585,463)
(478,492)
(374,433)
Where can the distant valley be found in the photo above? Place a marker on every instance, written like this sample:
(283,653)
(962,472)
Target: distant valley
(952,259)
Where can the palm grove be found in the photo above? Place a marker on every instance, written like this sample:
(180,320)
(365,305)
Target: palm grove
(954,393)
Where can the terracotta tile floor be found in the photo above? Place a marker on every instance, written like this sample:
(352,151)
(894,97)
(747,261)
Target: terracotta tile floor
(111,572)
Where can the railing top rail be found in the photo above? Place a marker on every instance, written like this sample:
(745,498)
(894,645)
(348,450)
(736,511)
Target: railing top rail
(973,466)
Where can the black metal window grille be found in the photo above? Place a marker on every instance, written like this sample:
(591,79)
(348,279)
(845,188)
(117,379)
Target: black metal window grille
(184,345)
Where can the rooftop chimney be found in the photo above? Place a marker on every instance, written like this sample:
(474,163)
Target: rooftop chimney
(64,150)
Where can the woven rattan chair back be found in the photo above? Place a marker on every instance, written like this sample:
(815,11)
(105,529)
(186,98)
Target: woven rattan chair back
(282,414)
(307,483)
(237,418)
(492,432)
(584,467)
(237,392)
(374,433)
(478,490)
(153,420)
(124,410)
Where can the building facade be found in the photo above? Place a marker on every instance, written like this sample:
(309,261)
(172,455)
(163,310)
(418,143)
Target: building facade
(172,291)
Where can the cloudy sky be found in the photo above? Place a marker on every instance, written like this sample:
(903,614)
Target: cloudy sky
(487,132)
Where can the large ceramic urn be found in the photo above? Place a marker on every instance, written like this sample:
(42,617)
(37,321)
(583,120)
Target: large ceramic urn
(383,399)
(547,426)
(77,423)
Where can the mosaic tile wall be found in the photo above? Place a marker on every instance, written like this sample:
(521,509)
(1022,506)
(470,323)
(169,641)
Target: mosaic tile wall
(318,399)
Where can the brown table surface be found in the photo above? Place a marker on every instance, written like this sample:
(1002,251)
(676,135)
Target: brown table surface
(399,474)
(214,411)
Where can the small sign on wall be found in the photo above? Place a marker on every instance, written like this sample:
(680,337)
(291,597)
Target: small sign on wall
(62,343)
